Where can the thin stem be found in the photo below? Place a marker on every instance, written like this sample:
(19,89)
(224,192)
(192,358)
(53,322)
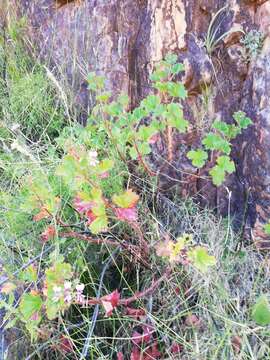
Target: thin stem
(136,296)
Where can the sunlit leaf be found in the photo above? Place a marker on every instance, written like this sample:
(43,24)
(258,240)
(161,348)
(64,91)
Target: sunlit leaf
(198,157)
(200,258)
(127,199)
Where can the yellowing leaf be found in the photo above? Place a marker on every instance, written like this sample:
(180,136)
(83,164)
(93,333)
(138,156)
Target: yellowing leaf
(200,258)
(7,288)
(126,200)
(98,225)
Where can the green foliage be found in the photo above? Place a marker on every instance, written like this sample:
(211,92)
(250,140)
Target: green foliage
(30,311)
(218,172)
(128,131)
(253,42)
(30,304)
(261,311)
(219,143)
(31,102)
(216,142)
(78,194)
(198,157)
(201,259)
(182,249)
(267,228)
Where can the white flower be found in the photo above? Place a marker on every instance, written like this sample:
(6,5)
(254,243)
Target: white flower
(80,288)
(67,285)
(92,158)
(57,293)
(68,298)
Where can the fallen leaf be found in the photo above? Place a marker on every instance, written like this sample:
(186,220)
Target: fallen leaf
(236,343)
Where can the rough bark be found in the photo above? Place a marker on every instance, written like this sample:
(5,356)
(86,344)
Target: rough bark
(123,39)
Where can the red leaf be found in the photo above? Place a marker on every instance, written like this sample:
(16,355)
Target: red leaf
(104,175)
(135,313)
(135,354)
(154,352)
(120,356)
(110,302)
(153,139)
(128,214)
(138,338)
(66,344)
(48,233)
(81,205)
(193,320)
(43,214)
(176,348)
(90,217)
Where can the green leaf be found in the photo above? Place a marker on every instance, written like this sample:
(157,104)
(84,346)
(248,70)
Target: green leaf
(59,272)
(163,87)
(200,258)
(144,148)
(261,311)
(198,157)
(218,172)
(114,109)
(95,82)
(267,228)
(52,309)
(29,274)
(29,305)
(171,58)
(242,120)
(150,103)
(105,165)
(133,153)
(218,175)
(177,89)
(137,114)
(216,142)
(225,163)
(177,68)
(99,225)
(123,100)
(146,132)
(159,74)
(104,98)
(229,131)
(175,117)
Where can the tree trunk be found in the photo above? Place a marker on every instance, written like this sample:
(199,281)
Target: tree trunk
(124,39)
